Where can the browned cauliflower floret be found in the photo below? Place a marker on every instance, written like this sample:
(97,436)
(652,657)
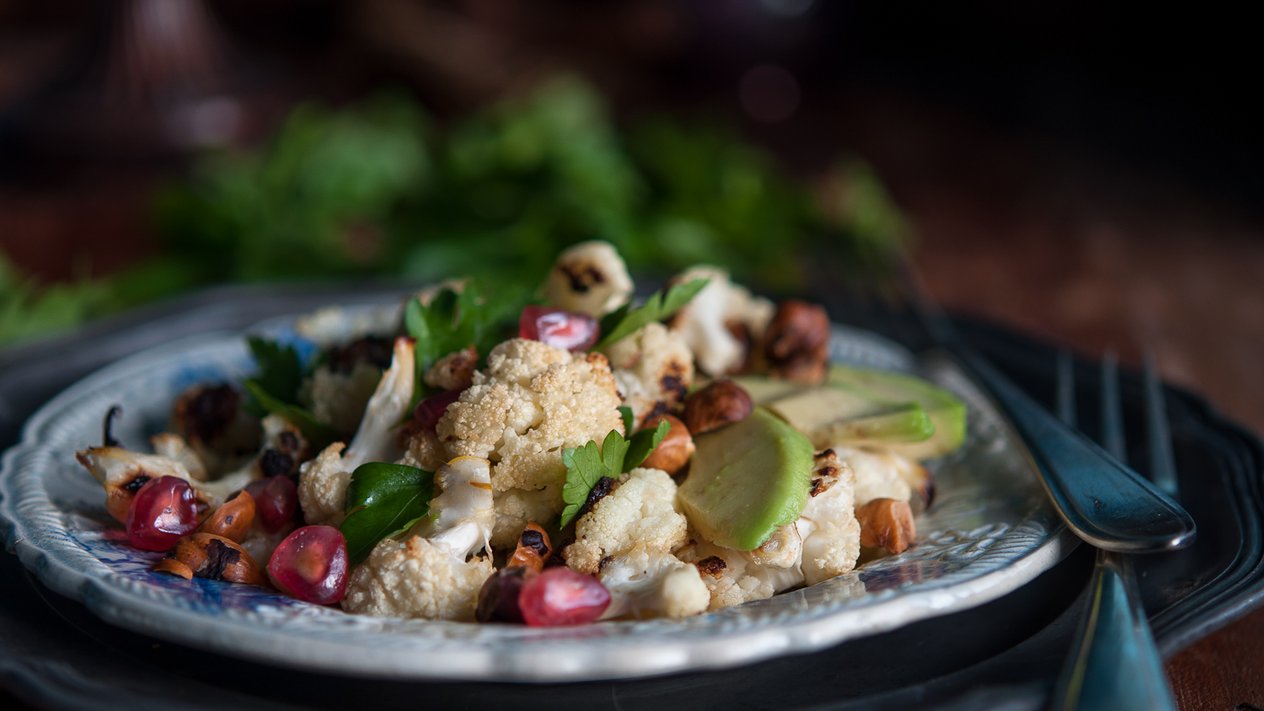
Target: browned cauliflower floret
(653,368)
(733,577)
(432,574)
(322,482)
(642,509)
(721,310)
(627,540)
(828,526)
(416,578)
(531,402)
(339,398)
(590,278)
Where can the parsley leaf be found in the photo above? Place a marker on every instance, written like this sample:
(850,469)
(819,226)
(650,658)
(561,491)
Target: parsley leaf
(626,413)
(586,466)
(383,500)
(643,444)
(280,369)
(627,320)
(275,389)
(317,433)
(456,319)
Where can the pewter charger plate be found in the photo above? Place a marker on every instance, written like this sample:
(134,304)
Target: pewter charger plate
(989,532)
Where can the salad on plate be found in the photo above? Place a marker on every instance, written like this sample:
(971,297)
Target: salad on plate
(547,458)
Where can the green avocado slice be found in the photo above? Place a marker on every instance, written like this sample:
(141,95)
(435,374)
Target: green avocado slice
(946,411)
(865,406)
(746,480)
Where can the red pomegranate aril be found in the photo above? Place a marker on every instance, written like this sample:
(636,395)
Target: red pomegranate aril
(311,565)
(558,328)
(162,512)
(428,411)
(276,502)
(560,596)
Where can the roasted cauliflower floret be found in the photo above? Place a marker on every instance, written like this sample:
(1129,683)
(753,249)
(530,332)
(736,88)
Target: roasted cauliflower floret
(339,398)
(878,474)
(827,525)
(722,322)
(322,482)
(733,578)
(627,539)
(640,510)
(646,582)
(590,278)
(653,368)
(531,402)
(416,578)
(431,574)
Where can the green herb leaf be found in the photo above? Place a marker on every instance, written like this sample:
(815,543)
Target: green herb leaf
(661,305)
(626,413)
(456,319)
(643,444)
(280,369)
(317,433)
(585,466)
(383,500)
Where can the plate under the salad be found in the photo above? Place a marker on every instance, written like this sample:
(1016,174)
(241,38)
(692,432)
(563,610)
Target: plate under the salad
(990,531)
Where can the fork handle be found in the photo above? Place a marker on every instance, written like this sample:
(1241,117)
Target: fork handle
(1115,663)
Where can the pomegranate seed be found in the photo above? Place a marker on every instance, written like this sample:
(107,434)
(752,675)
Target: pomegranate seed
(560,596)
(162,512)
(428,411)
(558,328)
(311,565)
(276,502)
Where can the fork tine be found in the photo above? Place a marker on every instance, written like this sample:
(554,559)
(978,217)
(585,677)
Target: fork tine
(1065,395)
(1112,409)
(1162,461)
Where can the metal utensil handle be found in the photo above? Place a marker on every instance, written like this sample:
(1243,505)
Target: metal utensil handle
(1114,663)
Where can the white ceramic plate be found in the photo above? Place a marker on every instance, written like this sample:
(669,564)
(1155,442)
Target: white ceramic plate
(989,532)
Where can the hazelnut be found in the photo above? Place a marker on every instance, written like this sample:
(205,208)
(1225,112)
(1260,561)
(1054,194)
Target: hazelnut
(533,549)
(454,371)
(209,556)
(716,405)
(233,518)
(886,524)
(673,453)
(796,343)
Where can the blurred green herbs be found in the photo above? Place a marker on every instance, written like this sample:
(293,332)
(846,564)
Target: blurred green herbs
(381,189)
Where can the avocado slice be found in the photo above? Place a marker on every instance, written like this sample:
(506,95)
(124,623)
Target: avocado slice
(746,480)
(830,416)
(946,411)
(865,406)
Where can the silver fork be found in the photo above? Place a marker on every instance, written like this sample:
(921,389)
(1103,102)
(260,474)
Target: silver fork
(1114,663)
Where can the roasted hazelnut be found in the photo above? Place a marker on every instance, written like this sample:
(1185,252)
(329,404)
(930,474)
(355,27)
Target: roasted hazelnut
(233,518)
(214,557)
(716,405)
(796,343)
(533,549)
(886,524)
(454,371)
(673,453)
